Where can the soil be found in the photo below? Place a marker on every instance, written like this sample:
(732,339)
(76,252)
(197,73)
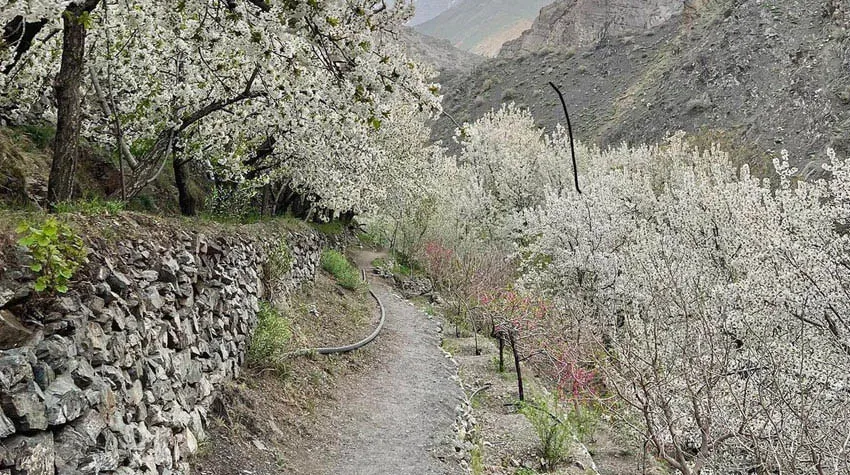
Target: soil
(387,409)
(510,442)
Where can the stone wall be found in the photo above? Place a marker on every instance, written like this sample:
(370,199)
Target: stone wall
(117,375)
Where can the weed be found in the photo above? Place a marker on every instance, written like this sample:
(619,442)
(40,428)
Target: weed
(231,205)
(477,461)
(397,265)
(451,346)
(143,203)
(552,427)
(331,228)
(343,271)
(57,252)
(370,239)
(271,338)
(280,261)
(496,364)
(41,135)
(91,207)
(557,428)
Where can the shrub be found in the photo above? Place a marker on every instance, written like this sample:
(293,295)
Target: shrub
(557,429)
(57,253)
(41,135)
(91,207)
(343,271)
(271,338)
(278,265)
(231,204)
(280,260)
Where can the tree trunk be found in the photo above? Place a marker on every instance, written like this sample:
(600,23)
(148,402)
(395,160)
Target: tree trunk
(501,353)
(188,203)
(512,341)
(266,208)
(60,186)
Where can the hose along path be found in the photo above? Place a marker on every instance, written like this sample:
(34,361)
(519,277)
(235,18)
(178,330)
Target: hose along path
(365,341)
(334,350)
(395,418)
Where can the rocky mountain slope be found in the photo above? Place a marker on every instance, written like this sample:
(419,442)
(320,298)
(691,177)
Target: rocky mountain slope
(428,9)
(440,54)
(482,26)
(754,76)
(578,23)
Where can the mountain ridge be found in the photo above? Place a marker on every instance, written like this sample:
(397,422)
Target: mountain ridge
(482,26)
(754,78)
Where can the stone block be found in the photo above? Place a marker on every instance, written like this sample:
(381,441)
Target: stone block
(29,455)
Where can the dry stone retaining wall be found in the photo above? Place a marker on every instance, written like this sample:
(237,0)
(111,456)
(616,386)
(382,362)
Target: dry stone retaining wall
(117,376)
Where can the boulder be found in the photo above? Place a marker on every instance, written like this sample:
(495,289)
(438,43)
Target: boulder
(24,405)
(14,368)
(71,446)
(7,428)
(64,400)
(30,455)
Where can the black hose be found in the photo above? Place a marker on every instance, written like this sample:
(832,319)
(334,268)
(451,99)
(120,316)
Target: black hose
(354,346)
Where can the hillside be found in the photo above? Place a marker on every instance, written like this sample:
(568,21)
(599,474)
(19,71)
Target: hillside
(428,9)
(482,26)
(438,53)
(580,23)
(756,78)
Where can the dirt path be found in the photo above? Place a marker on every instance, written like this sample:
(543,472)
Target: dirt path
(397,418)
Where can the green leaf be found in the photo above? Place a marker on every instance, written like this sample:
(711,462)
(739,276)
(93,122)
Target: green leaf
(61,288)
(40,285)
(36,267)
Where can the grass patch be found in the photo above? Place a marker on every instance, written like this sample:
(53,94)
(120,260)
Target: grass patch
(91,207)
(371,239)
(40,135)
(397,265)
(271,338)
(343,271)
(331,228)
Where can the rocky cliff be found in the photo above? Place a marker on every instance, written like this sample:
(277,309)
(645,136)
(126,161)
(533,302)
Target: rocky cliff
(482,26)
(755,77)
(118,375)
(580,23)
(428,9)
(440,54)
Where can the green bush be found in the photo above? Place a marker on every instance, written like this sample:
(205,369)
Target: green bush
(280,260)
(231,205)
(371,239)
(91,207)
(271,338)
(345,273)
(476,464)
(57,253)
(552,425)
(41,135)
